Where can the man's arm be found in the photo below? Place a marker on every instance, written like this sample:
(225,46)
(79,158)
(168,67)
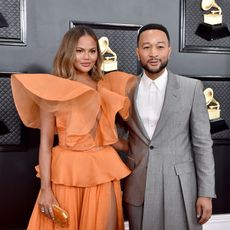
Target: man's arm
(203,155)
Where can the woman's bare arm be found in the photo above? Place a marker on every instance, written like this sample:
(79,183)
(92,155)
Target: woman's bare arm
(47,127)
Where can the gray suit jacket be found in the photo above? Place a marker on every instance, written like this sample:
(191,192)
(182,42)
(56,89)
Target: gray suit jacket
(176,166)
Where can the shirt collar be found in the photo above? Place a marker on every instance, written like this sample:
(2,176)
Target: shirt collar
(160,82)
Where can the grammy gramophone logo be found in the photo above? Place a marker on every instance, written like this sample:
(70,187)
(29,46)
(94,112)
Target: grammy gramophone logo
(213,105)
(109,57)
(212,27)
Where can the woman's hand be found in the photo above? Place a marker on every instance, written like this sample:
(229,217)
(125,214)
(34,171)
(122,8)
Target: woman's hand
(45,202)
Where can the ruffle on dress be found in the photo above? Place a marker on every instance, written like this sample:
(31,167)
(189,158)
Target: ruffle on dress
(119,82)
(86,169)
(34,91)
(80,102)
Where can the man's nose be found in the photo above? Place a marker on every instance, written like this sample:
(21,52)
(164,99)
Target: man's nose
(153,52)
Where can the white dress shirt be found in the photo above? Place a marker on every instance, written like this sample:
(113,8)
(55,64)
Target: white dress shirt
(150,98)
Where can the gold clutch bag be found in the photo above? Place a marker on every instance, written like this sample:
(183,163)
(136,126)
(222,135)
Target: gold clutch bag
(60,216)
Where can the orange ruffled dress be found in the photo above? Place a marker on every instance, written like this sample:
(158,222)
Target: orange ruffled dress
(85,169)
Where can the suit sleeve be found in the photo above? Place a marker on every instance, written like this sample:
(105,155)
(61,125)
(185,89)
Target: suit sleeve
(202,144)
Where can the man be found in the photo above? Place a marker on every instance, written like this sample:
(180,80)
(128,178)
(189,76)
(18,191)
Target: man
(172,183)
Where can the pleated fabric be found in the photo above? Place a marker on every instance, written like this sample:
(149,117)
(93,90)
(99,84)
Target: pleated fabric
(85,169)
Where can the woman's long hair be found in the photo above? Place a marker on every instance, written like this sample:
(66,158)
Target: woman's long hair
(64,61)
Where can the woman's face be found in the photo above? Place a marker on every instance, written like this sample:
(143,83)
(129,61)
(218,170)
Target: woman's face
(86,54)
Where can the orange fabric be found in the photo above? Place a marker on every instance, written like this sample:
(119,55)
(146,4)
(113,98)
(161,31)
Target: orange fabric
(91,208)
(85,169)
(75,105)
(98,166)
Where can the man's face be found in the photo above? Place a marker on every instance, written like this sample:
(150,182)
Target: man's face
(153,52)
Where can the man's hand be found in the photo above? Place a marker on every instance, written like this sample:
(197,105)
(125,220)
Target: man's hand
(203,209)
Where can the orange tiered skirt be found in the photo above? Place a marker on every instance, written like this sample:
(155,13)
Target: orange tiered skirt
(92,195)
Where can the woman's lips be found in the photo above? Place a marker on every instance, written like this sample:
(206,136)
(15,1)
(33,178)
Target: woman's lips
(85,64)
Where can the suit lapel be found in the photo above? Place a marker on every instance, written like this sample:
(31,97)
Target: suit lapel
(170,101)
(136,115)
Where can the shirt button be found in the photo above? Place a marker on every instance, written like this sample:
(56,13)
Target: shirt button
(151,147)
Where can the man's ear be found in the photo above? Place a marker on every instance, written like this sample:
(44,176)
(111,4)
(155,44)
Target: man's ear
(170,51)
(137,53)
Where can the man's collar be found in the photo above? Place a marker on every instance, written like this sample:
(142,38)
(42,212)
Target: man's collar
(160,82)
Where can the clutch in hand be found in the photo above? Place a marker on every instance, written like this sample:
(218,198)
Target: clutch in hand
(61,216)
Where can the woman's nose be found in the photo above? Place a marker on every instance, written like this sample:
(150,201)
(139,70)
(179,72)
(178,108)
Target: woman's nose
(86,55)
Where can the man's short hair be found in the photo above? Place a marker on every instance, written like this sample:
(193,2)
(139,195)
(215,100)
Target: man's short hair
(153,27)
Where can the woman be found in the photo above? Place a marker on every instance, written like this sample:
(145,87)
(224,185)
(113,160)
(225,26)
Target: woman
(81,174)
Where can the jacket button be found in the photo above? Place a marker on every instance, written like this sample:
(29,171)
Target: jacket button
(151,147)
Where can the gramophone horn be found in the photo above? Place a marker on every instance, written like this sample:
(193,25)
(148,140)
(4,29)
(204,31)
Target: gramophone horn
(208,4)
(104,47)
(208,93)
(104,44)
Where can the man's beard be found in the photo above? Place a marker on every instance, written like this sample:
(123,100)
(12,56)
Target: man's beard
(158,70)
